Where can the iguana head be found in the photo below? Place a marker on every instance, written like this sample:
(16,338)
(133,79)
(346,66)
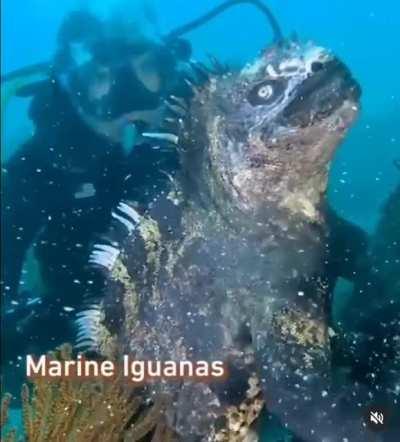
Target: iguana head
(268,133)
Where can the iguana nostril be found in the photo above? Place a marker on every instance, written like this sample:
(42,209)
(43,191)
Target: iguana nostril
(317,66)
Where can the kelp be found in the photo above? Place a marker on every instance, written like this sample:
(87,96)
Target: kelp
(75,410)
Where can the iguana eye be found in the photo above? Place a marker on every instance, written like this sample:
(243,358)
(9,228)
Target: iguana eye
(265,93)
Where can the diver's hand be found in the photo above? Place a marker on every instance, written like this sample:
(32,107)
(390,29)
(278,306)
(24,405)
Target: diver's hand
(114,130)
(148,118)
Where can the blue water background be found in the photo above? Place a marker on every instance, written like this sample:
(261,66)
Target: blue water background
(365,34)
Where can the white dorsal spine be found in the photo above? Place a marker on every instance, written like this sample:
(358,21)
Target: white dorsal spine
(88,323)
(104,255)
(172,138)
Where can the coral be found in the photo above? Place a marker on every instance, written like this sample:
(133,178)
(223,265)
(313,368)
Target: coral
(72,410)
(5,403)
(9,436)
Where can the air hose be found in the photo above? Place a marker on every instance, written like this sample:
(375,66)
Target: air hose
(204,19)
(41,68)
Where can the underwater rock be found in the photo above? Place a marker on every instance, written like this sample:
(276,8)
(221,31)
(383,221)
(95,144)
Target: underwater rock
(230,263)
(386,252)
(386,244)
(371,325)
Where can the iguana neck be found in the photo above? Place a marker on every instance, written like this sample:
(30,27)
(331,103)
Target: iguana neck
(208,204)
(211,217)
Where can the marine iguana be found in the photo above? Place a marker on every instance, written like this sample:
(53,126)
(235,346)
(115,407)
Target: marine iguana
(230,263)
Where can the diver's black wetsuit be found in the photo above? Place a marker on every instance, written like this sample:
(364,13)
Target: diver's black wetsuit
(41,183)
(39,186)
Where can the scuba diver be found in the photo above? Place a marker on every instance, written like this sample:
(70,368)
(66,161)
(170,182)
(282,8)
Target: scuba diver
(99,94)
(59,187)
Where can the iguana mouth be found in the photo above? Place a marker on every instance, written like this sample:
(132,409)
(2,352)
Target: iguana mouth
(322,93)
